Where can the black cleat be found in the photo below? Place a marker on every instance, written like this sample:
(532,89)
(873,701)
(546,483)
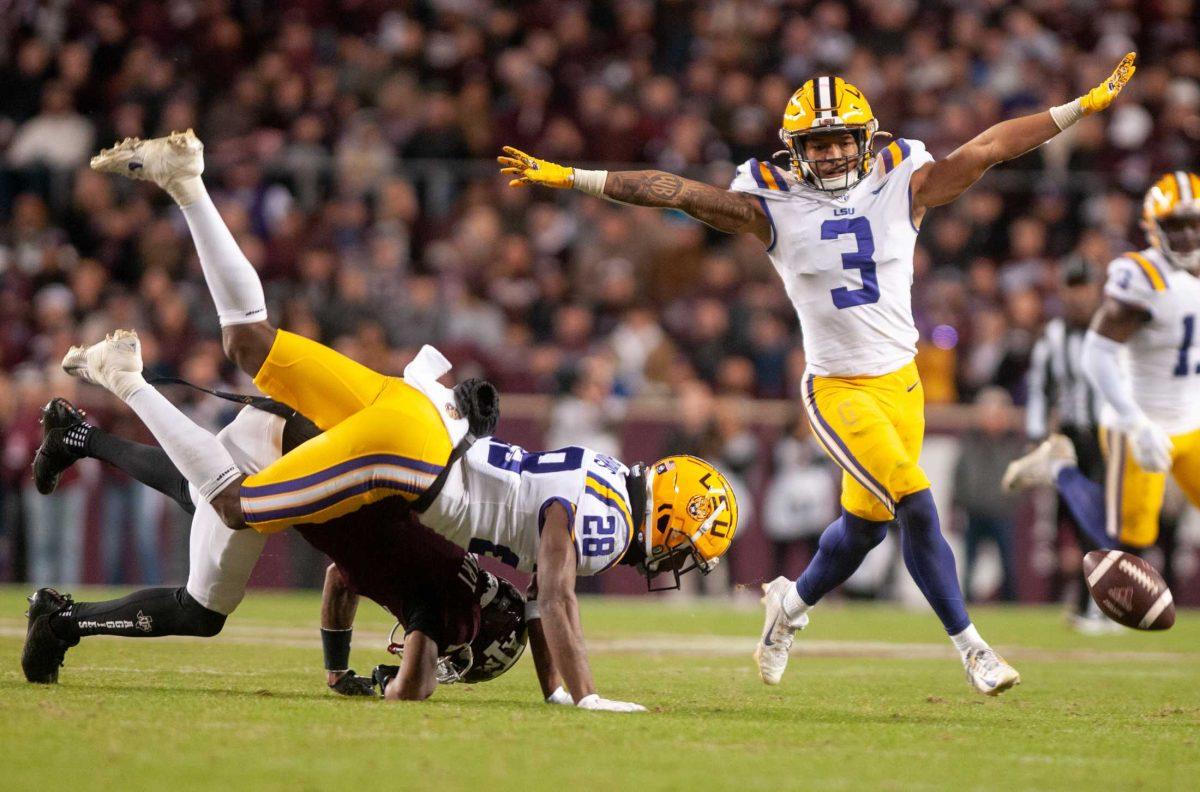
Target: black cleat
(44,651)
(383,675)
(54,455)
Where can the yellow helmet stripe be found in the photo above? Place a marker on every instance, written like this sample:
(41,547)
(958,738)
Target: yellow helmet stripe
(1157,282)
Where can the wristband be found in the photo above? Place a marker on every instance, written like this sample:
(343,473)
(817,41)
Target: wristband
(589,181)
(336,645)
(532,611)
(1065,115)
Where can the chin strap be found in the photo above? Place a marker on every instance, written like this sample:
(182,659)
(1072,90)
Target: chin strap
(638,482)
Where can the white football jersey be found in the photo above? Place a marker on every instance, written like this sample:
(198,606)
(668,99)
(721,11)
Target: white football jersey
(846,262)
(495,498)
(1163,356)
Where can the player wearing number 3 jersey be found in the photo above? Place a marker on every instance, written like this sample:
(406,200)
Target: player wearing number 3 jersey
(840,224)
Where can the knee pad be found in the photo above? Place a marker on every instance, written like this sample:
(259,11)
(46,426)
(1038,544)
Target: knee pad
(197,619)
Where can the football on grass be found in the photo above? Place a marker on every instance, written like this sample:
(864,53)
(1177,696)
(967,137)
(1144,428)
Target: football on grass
(1129,590)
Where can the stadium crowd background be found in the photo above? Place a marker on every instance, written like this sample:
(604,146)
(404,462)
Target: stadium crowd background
(350,146)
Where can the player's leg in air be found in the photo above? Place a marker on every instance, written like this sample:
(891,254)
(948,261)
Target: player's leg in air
(381,436)
(1053,464)
(221,560)
(874,428)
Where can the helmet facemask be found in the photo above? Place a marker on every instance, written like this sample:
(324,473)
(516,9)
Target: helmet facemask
(856,165)
(498,644)
(677,559)
(1178,237)
(451,666)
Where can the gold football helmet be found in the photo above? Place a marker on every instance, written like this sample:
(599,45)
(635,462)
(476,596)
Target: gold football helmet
(1171,218)
(691,518)
(821,106)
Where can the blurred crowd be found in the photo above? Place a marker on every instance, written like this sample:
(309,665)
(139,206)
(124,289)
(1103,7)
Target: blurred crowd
(350,146)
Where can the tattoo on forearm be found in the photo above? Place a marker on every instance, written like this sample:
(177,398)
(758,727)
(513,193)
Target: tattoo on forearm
(653,187)
(722,209)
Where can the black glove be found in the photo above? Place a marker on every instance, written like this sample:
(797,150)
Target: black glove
(350,684)
(479,402)
(384,674)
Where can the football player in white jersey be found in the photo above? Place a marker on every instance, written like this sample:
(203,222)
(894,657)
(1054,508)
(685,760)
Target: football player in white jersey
(840,226)
(569,512)
(1143,355)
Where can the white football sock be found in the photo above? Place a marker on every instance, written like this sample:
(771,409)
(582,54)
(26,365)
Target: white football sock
(793,606)
(200,457)
(186,191)
(967,640)
(232,280)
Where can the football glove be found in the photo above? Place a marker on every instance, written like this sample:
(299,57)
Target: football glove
(1103,94)
(594,702)
(531,170)
(1151,447)
(350,684)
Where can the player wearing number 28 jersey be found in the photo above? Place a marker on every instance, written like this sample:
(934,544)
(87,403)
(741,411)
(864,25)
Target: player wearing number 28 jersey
(840,225)
(568,512)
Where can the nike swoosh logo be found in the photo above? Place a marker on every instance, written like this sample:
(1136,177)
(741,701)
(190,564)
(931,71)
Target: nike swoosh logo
(876,192)
(766,639)
(915,384)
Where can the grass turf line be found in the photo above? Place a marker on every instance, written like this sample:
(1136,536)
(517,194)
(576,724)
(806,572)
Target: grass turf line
(249,709)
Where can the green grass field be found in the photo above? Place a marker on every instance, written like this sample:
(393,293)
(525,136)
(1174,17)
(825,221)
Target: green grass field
(874,699)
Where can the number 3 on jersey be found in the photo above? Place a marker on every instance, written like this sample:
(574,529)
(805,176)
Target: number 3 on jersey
(861,260)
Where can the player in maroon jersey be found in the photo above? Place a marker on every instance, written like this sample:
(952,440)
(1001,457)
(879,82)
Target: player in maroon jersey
(460,622)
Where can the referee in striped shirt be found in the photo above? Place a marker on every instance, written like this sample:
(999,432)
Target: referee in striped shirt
(1059,389)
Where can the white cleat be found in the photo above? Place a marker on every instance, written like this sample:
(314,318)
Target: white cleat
(114,363)
(989,673)
(771,654)
(1093,622)
(1039,467)
(75,364)
(174,163)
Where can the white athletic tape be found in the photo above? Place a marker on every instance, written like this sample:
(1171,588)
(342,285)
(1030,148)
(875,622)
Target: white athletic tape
(1110,558)
(1156,609)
